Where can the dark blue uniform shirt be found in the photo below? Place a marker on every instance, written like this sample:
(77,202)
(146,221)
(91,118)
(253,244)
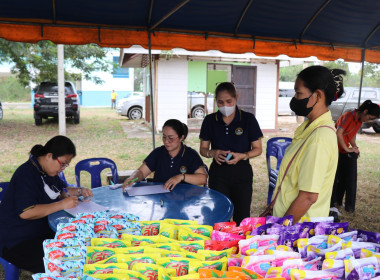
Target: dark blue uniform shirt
(164,166)
(25,190)
(236,137)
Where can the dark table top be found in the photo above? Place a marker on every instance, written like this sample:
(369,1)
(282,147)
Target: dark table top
(185,201)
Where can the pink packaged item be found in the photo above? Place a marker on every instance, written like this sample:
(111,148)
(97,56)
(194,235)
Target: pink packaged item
(282,256)
(291,264)
(254,222)
(260,251)
(235,260)
(258,264)
(297,274)
(274,272)
(225,236)
(247,244)
(315,264)
(219,226)
(340,255)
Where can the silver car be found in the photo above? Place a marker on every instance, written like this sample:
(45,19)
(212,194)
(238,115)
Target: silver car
(349,101)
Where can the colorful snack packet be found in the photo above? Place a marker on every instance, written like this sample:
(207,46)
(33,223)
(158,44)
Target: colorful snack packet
(97,254)
(165,246)
(364,253)
(110,243)
(225,236)
(291,264)
(150,228)
(155,272)
(340,255)
(112,276)
(357,246)
(103,268)
(261,230)
(313,252)
(260,251)
(254,222)
(199,229)
(335,266)
(317,219)
(180,222)
(273,272)
(66,235)
(172,253)
(74,227)
(68,243)
(221,264)
(186,277)
(90,215)
(186,234)
(282,256)
(247,244)
(105,231)
(241,230)
(298,274)
(125,227)
(214,255)
(60,255)
(133,259)
(191,246)
(219,226)
(258,264)
(324,228)
(349,236)
(319,242)
(123,216)
(285,221)
(46,276)
(136,240)
(213,273)
(222,245)
(305,229)
(181,265)
(368,236)
(169,230)
(235,260)
(288,239)
(251,274)
(68,269)
(364,268)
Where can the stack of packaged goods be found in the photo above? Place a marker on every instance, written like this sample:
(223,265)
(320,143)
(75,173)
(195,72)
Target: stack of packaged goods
(120,247)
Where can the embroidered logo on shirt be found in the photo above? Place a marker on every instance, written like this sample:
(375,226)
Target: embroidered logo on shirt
(239,131)
(183,169)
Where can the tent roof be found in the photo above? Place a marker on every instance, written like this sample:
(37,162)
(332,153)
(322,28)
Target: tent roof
(328,29)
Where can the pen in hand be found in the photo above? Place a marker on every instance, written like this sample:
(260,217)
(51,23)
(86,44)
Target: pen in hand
(66,191)
(132,181)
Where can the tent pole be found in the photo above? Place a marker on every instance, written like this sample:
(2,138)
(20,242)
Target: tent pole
(61,91)
(151,90)
(361,77)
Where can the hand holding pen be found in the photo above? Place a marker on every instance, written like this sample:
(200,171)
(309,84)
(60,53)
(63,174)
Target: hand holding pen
(128,183)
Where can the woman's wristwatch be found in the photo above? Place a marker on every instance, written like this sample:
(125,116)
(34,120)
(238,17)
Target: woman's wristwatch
(246,156)
(79,191)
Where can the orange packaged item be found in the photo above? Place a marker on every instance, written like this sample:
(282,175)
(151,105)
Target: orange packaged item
(219,226)
(213,273)
(249,273)
(242,230)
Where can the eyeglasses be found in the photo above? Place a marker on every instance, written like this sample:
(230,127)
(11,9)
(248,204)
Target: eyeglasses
(63,165)
(169,139)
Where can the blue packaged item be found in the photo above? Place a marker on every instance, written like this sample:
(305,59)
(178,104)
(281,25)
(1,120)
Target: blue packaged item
(60,255)
(68,269)
(68,243)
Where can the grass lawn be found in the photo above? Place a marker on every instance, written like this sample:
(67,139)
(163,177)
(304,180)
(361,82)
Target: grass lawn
(101,134)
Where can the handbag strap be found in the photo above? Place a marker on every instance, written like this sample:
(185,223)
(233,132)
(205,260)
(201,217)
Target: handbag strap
(291,161)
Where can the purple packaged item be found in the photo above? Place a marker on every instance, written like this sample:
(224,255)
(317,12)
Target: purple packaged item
(285,221)
(349,236)
(319,242)
(306,229)
(278,229)
(288,239)
(357,246)
(340,255)
(361,268)
(261,230)
(335,266)
(324,228)
(313,252)
(368,236)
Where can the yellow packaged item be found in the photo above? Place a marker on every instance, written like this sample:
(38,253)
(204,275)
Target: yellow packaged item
(180,222)
(164,239)
(186,277)
(154,271)
(191,246)
(200,229)
(103,268)
(97,254)
(181,265)
(150,228)
(172,253)
(283,248)
(187,234)
(137,240)
(332,240)
(110,243)
(132,259)
(165,246)
(273,272)
(215,255)
(218,265)
(111,276)
(169,230)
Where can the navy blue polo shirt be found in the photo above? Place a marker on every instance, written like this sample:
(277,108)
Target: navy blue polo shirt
(25,190)
(236,137)
(159,161)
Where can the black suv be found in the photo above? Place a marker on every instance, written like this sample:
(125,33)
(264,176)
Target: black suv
(46,102)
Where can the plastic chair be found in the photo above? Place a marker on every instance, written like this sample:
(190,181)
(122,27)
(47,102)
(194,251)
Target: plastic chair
(63,178)
(95,166)
(11,271)
(275,148)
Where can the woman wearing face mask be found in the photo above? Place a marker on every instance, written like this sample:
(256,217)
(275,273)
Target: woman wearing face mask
(307,171)
(172,163)
(346,175)
(34,192)
(235,132)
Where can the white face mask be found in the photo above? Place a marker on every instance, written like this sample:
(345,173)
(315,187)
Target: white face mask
(52,194)
(227,110)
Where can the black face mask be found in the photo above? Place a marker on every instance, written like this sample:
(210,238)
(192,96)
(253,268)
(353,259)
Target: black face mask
(299,106)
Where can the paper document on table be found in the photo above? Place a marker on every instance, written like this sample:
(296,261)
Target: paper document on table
(145,190)
(82,207)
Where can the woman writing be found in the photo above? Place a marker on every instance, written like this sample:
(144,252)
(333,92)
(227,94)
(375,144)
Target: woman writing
(172,163)
(308,168)
(235,132)
(34,192)
(347,127)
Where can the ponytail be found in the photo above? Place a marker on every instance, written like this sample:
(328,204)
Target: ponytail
(179,127)
(58,146)
(372,108)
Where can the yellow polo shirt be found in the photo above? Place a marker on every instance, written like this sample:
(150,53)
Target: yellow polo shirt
(312,170)
(113,95)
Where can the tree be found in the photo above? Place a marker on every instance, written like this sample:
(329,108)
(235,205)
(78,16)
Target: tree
(289,73)
(36,63)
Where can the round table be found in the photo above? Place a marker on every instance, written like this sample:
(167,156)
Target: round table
(185,201)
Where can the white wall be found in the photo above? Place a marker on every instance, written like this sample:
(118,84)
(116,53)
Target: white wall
(110,83)
(172,78)
(266,94)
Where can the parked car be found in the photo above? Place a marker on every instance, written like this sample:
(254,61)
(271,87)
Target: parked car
(46,102)
(349,101)
(133,106)
(1,111)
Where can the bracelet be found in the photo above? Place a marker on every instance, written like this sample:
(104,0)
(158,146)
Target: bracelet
(79,191)
(184,177)
(246,156)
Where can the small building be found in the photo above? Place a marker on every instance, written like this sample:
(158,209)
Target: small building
(177,72)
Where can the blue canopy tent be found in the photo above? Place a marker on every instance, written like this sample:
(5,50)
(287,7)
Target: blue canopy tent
(328,29)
